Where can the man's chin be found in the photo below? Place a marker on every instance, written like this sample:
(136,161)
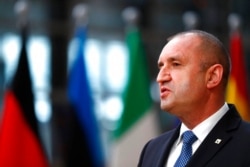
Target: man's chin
(166,107)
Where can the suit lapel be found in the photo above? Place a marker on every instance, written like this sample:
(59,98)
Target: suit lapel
(166,148)
(216,139)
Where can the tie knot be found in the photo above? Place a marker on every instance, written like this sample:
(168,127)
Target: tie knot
(189,137)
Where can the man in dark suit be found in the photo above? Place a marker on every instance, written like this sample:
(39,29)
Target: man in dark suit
(194,68)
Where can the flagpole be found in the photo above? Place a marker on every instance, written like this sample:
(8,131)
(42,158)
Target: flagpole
(80,15)
(21,9)
(190,20)
(80,92)
(131,16)
(234,22)
(119,157)
(20,137)
(138,114)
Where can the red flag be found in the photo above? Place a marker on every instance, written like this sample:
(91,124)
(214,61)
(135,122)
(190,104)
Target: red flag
(237,91)
(20,144)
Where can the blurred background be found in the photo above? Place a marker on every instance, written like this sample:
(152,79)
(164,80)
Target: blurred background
(115,32)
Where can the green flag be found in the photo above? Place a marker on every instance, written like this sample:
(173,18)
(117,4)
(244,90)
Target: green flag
(136,96)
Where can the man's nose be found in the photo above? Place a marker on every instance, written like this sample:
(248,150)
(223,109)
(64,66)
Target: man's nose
(163,76)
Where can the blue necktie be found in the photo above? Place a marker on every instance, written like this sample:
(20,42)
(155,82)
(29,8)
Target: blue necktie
(188,139)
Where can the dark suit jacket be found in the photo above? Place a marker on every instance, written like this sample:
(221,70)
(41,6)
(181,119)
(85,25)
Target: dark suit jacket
(232,151)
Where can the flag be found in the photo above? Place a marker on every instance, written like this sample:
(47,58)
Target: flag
(136,96)
(237,91)
(80,96)
(138,122)
(20,144)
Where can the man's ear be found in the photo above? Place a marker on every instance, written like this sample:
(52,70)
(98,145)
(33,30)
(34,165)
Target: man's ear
(214,75)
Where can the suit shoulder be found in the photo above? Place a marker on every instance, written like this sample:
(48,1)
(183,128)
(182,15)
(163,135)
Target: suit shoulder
(164,137)
(245,127)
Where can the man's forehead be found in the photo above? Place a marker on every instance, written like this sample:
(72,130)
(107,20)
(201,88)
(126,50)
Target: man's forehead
(172,53)
(180,46)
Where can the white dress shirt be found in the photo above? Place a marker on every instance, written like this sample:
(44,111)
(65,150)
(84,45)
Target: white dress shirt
(201,131)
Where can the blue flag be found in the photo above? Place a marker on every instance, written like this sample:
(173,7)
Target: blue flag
(79,93)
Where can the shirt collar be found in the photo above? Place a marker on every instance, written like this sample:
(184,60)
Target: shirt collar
(202,129)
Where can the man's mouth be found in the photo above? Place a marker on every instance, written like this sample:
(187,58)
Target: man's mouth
(164,91)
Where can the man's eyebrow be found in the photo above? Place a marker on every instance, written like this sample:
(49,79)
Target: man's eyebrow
(174,58)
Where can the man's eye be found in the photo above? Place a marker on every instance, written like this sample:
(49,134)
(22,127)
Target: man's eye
(176,64)
(160,65)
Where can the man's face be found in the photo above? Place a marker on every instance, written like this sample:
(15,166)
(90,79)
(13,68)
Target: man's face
(180,78)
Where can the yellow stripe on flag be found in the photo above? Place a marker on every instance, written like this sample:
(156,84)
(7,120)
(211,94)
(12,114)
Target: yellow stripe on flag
(233,96)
